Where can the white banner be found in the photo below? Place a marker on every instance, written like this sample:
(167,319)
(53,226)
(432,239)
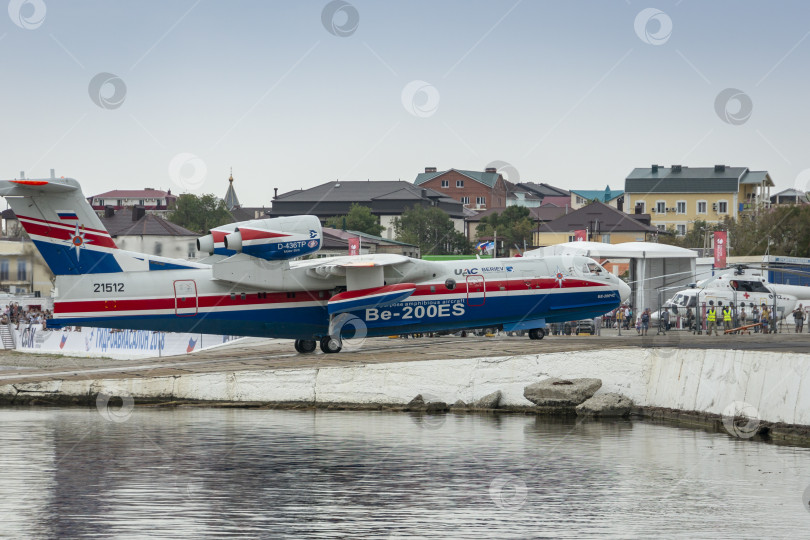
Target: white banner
(113,343)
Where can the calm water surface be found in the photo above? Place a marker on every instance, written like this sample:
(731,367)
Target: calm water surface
(74,473)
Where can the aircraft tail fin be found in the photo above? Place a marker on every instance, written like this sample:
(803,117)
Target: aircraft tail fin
(62,225)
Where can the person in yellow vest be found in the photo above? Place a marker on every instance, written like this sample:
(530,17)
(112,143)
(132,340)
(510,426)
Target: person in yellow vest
(727,318)
(711,319)
(766,319)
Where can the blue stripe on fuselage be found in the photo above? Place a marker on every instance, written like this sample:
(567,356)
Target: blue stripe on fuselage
(160,265)
(417,314)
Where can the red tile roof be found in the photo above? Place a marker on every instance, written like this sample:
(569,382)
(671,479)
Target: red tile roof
(133,194)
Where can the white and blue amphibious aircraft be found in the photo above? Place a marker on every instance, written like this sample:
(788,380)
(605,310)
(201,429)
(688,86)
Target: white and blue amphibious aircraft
(252,281)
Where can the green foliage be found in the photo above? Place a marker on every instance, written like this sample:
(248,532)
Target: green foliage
(694,235)
(513,226)
(787,228)
(358,219)
(200,213)
(432,230)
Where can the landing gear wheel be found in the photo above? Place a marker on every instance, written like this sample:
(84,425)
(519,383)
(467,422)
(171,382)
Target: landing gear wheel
(330,345)
(305,346)
(537,333)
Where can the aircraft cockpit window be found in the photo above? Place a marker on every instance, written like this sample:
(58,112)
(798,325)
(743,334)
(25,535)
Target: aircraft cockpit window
(748,286)
(692,301)
(757,286)
(593,268)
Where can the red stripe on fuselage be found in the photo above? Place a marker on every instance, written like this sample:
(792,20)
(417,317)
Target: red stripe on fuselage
(251,299)
(276,298)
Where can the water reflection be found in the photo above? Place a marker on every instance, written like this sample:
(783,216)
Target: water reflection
(221,472)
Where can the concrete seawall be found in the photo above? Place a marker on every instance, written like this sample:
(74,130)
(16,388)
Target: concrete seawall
(775,384)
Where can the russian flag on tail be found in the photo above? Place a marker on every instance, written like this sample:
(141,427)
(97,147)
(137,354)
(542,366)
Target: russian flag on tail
(67,215)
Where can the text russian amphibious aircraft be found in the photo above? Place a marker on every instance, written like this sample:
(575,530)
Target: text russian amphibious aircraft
(250,285)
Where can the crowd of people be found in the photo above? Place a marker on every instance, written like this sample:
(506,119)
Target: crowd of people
(715,319)
(16,314)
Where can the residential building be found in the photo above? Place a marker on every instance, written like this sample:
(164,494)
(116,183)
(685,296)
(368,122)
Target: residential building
(474,189)
(677,196)
(386,199)
(612,197)
(336,242)
(547,194)
(22,268)
(603,223)
(154,201)
(538,215)
(135,230)
(789,196)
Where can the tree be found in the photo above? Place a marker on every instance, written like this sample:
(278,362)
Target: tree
(514,226)
(200,213)
(779,231)
(694,236)
(432,230)
(358,219)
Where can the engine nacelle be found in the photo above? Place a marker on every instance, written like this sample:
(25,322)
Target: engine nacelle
(214,243)
(270,239)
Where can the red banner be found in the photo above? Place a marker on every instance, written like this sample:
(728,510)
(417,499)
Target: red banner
(354,246)
(581,235)
(720,249)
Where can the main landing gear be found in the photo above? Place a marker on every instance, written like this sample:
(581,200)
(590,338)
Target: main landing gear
(305,345)
(330,345)
(537,333)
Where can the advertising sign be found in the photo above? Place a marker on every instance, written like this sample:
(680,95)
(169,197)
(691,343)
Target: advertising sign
(720,249)
(87,341)
(354,246)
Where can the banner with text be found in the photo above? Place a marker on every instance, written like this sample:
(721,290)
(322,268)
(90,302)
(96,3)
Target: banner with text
(720,248)
(87,341)
(354,246)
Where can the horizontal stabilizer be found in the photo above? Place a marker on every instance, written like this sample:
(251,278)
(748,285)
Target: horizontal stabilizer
(24,188)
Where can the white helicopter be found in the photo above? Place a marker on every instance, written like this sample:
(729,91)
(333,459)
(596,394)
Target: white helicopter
(734,287)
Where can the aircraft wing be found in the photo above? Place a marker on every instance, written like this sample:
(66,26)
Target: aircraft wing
(339,266)
(373,270)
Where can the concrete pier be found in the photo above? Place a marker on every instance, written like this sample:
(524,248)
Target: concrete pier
(705,377)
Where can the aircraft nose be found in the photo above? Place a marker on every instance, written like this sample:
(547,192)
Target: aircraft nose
(624,291)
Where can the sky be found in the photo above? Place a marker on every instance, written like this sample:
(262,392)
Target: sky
(291,94)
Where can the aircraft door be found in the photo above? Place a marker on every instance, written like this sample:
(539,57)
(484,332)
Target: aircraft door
(476,290)
(185,298)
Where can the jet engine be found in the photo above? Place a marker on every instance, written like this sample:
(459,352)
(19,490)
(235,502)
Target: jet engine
(271,239)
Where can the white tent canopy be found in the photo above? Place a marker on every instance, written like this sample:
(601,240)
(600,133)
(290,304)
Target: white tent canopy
(626,250)
(656,270)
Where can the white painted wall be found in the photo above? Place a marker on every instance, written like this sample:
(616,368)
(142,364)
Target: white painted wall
(176,247)
(777,385)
